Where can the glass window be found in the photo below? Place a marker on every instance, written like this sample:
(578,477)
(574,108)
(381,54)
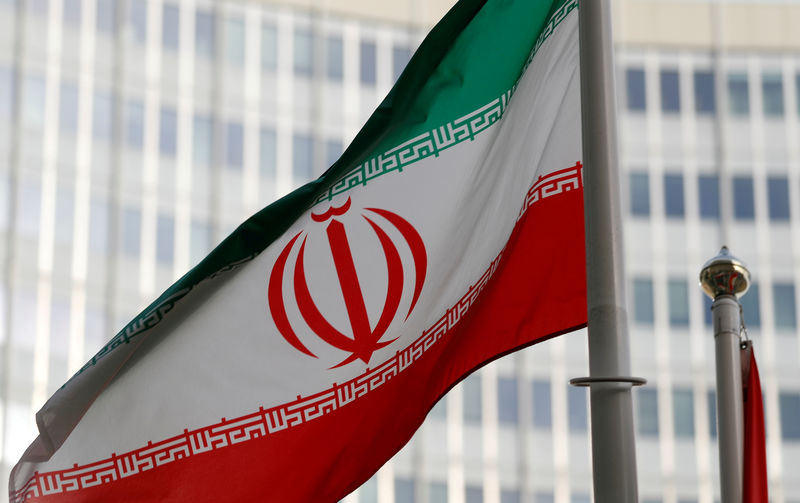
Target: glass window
(269,47)
(167,132)
(234,144)
(790,415)
(202,140)
(797,88)
(678,292)
(580,498)
(200,237)
(683,413)
(471,388)
(33,104)
(59,332)
(101,116)
(404,490)
(303,59)
(234,41)
(647,411)
(4,216)
(23,329)
(334,60)
(751,307)
(368,61)
(634,85)
(437,492)
(131,231)
(507,404)
(333,150)
(542,417)
(98,225)
(707,310)
(302,157)
(783,298)
(95,330)
(72,13)
(541,497)
(29,204)
(106,15)
(673,195)
(738,94)
(772,90)
(65,211)
(705,101)
(510,496)
(473,494)
(134,124)
(640,194)
(165,239)
(7,93)
(68,108)
(778,198)
(204,33)
(4,211)
(743,204)
(578,417)
(137,15)
(170,27)
(268,152)
(670,91)
(643,300)
(708,193)
(711,398)
(401,55)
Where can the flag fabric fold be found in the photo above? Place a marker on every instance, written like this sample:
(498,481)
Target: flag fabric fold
(307,348)
(754,482)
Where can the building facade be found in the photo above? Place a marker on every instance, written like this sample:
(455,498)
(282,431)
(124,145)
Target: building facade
(136,134)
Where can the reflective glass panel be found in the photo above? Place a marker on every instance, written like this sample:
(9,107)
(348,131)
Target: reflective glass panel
(704,97)
(634,85)
(670,91)
(368,61)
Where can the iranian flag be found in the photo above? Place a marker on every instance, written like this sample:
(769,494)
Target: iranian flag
(307,348)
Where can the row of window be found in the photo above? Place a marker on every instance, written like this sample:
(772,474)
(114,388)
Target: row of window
(704,88)
(209,26)
(129,224)
(683,413)
(508,412)
(204,128)
(708,196)
(405,491)
(678,312)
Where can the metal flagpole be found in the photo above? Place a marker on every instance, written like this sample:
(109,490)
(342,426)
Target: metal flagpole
(613,446)
(725,279)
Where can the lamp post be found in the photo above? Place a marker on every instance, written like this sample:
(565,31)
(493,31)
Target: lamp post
(725,278)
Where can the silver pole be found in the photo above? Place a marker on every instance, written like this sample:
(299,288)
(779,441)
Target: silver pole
(724,279)
(613,446)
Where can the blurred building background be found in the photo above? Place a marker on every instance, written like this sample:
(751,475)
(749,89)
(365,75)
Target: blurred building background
(135,134)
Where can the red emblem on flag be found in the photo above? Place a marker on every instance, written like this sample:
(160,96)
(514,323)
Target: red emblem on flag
(363,339)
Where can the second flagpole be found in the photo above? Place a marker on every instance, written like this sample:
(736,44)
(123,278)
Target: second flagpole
(613,442)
